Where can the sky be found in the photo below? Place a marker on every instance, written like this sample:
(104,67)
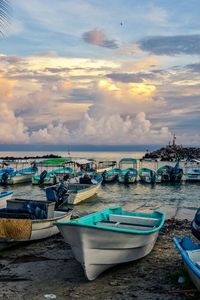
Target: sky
(115,72)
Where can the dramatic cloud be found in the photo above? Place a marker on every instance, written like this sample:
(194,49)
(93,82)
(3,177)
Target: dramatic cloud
(129,77)
(171,45)
(98,38)
(116,129)
(12,128)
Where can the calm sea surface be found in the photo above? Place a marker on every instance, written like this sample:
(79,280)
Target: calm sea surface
(178,200)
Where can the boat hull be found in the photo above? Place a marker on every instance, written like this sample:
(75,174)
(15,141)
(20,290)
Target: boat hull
(191,264)
(97,249)
(131,179)
(83,194)
(22,178)
(4,197)
(192,177)
(41,229)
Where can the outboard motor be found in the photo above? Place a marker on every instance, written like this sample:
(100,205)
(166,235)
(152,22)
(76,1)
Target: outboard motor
(195,226)
(104,174)
(126,177)
(4,178)
(42,176)
(57,194)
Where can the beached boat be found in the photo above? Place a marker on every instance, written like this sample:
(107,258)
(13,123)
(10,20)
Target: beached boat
(19,176)
(149,176)
(195,225)
(27,220)
(190,253)
(110,237)
(80,191)
(128,174)
(170,173)
(111,175)
(52,177)
(4,196)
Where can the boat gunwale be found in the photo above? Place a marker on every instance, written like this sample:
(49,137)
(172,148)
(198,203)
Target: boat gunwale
(117,229)
(187,260)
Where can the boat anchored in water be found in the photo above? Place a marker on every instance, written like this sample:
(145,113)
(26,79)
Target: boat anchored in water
(77,192)
(149,176)
(110,237)
(128,175)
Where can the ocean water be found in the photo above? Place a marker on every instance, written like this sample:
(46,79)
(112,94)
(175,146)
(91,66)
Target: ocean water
(177,200)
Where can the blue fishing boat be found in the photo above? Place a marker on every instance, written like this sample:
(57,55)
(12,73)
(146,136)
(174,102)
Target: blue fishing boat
(128,174)
(111,175)
(149,176)
(170,173)
(4,196)
(190,253)
(52,177)
(110,237)
(4,173)
(19,176)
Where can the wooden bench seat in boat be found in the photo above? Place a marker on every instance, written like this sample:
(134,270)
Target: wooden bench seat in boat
(194,255)
(124,225)
(136,220)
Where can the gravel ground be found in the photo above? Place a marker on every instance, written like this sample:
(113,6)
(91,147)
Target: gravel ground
(48,270)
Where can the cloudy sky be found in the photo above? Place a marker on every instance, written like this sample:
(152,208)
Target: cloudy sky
(100,72)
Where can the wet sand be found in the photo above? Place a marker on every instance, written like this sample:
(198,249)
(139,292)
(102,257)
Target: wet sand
(37,269)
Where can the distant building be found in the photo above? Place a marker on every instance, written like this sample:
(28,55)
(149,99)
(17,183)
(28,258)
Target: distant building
(174,141)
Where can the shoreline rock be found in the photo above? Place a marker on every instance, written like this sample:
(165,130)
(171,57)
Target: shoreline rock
(174,152)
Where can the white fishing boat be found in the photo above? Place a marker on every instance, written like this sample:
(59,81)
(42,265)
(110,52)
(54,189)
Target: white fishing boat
(111,175)
(19,176)
(130,174)
(149,176)
(4,196)
(52,177)
(27,220)
(103,166)
(110,237)
(192,170)
(77,192)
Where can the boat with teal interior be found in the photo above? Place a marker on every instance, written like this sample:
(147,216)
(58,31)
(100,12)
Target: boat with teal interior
(23,175)
(190,253)
(149,176)
(128,174)
(111,175)
(170,174)
(53,177)
(109,237)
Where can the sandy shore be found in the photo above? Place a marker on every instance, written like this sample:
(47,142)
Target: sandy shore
(35,270)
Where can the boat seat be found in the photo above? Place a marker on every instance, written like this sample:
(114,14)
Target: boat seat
(194,255)
(136,220)
(124,225)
